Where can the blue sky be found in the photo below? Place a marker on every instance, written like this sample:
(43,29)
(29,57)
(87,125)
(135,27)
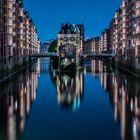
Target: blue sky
(49,14)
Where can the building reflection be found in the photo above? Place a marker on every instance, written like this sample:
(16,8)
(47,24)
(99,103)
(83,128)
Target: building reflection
(124,95)
(16,98)
(70,88)
(96,67)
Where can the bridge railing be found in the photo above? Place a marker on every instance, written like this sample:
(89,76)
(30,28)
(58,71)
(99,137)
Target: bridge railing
(97,54)
(44,54)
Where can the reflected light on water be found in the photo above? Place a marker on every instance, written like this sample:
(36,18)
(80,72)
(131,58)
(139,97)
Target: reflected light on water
(19,94)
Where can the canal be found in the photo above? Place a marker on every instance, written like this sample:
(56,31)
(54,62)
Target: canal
(95,102)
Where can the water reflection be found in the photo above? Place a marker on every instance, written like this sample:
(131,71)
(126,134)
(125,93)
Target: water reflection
(70,88)
(16,98)
(124,94)
(18,94)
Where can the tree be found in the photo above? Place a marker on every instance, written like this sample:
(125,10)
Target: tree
(53,47)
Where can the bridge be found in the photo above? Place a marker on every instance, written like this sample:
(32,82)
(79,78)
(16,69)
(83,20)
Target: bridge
(50,55)
(97,55)
(66,62)
(84,55)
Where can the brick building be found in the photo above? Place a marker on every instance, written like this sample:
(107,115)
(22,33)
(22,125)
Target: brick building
(18,34)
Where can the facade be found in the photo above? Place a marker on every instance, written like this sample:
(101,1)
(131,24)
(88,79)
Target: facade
(27,32)
(1,29)
(87,46)
(18,36)
(92,45)
(126,28)
(112,37)
(104,41)
(34,43)
(125,34)
(115,33)
(122,38)
(7,34)
(71,37)
(137,28)
(82,37)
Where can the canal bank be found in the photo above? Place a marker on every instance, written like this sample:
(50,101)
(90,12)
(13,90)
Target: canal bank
(130,65)
(7,72)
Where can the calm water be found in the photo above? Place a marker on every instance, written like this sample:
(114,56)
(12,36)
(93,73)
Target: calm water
(96,102)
